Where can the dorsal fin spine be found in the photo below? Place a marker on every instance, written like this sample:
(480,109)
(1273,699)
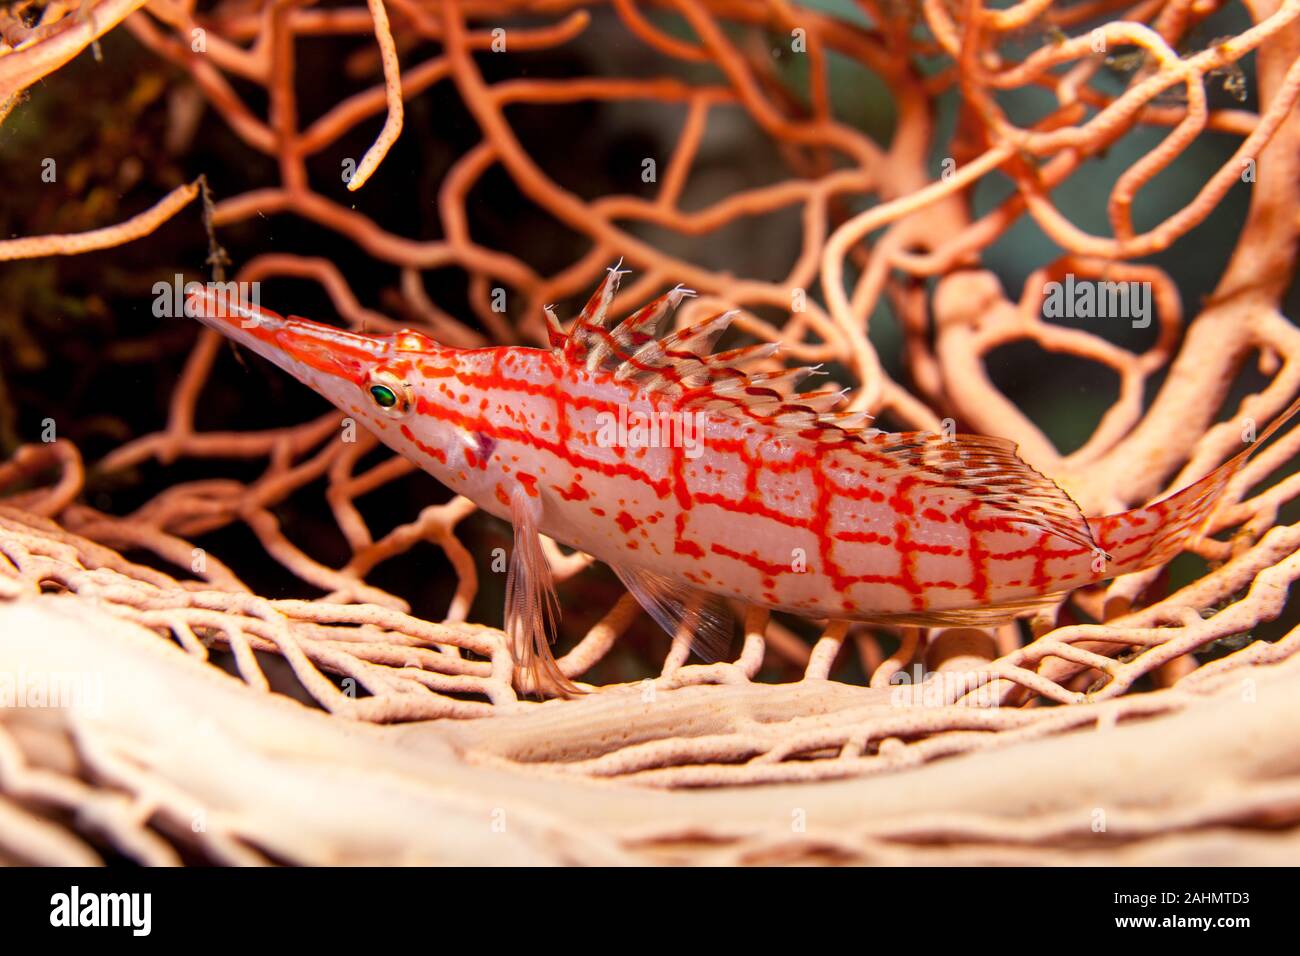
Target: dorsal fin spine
(680,366)
(593,317)
(555,336)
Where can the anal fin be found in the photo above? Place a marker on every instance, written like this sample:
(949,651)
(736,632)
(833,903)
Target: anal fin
(990,615)
(532,609)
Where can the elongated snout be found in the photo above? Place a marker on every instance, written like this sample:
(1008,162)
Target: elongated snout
(293,343)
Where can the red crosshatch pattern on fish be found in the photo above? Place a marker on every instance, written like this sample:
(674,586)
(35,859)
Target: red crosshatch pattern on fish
(781,499)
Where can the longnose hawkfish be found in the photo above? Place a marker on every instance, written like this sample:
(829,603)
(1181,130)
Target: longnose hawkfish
(697,479)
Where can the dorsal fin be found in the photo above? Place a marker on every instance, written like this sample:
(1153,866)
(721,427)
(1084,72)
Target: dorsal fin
(729,381)
(820,402)
(670,364)
(851,421)
(681,365)
(555,336)
(695,341)
(745,355)
(1001,486)
(588,330)
(636,330)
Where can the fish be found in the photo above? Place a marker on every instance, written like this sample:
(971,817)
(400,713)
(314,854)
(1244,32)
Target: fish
(699,479)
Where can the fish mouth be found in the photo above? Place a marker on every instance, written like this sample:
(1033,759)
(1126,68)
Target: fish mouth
(293,343)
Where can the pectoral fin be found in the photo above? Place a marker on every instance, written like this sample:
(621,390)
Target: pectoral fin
(532,610)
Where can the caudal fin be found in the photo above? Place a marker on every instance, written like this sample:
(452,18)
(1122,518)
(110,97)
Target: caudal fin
(1156,533)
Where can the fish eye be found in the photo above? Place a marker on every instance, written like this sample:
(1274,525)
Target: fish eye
(390,394)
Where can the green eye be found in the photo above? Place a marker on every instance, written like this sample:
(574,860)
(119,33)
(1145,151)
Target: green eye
(384,396)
